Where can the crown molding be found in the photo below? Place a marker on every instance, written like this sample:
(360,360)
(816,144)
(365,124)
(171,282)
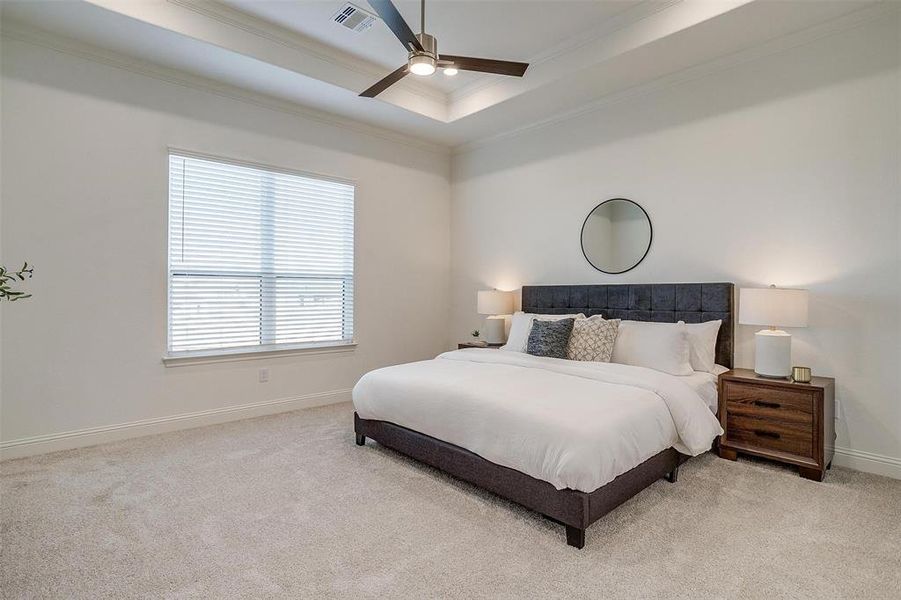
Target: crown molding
(297,42)
(30,35)
(778,45)
(620,21)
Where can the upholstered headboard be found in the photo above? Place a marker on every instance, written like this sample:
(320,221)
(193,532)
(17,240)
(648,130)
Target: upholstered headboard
(660,302)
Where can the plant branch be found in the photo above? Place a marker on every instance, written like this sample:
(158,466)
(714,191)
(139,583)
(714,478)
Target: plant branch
(10,278)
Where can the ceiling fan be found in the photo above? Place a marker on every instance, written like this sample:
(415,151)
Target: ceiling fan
(424,58)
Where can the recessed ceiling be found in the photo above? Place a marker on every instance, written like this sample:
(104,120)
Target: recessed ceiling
(581,53)
(518,30)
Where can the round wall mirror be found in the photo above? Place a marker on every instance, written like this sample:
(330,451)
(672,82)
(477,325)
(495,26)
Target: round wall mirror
(616,236)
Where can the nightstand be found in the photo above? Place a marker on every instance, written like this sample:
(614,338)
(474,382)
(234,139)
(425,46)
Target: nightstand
(462,345)
(778,419)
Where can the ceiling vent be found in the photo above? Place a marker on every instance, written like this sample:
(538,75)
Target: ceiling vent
(354,18)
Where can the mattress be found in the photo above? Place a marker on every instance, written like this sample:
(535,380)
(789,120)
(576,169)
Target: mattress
(573,424)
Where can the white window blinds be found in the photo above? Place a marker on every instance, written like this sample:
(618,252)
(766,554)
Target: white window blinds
(257,257)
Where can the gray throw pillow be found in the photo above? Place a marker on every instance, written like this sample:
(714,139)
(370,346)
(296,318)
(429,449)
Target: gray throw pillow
(550,338)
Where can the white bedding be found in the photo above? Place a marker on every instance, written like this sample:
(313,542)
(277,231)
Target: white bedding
(704,385)
(573,424)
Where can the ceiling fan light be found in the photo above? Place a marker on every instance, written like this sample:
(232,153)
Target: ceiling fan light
(450,71)
(422,65)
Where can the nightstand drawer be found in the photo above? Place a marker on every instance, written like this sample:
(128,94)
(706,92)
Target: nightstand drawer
(771,404)
(783,436)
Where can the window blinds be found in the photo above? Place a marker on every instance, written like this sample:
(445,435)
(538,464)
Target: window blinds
(257,257)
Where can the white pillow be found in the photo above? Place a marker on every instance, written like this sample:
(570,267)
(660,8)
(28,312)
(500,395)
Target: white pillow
(659,346)
(702,344)
(521,325)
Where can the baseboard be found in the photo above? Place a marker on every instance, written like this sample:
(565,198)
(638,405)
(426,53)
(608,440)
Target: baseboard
(92,436)
(858,460)
(867,462)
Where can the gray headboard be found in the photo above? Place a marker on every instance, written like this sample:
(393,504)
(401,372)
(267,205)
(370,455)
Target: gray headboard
(660,302)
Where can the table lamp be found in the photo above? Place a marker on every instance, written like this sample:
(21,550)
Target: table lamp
(773,307)
(496,304)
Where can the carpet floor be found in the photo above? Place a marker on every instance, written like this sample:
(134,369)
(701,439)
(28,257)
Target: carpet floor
(288,506)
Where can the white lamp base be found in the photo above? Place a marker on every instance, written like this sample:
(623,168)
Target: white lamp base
(494,330)
(773,355)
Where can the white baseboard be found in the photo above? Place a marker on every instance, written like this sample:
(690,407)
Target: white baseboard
(67,440)
(858,460)
(867,462)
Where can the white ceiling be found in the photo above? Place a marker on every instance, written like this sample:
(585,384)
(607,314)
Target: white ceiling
(581,53)
(518,30)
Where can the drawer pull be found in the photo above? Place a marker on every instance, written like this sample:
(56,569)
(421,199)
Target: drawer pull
(767,404)
(766,434)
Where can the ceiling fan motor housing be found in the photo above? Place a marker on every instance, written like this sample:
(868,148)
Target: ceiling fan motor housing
(426,61)
(429,45)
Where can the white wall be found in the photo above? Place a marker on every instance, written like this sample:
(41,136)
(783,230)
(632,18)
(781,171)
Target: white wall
(783,170)
(84,197)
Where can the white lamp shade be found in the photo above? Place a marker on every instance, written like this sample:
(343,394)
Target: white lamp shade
(772,307)
(495,302)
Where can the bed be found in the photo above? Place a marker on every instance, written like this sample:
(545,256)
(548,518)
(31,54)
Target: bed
(568,439)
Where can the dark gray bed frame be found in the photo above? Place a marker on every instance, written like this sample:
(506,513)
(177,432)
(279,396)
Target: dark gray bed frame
(663,302)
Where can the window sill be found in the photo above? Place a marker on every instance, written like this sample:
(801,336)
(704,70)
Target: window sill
(183,359)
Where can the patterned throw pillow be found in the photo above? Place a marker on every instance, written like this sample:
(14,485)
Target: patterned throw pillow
(550,338)
(592,339)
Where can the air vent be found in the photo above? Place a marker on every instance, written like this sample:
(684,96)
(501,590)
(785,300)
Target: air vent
(354,18)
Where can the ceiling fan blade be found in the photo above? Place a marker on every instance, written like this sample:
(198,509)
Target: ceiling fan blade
(486,65)
(389,14)
(384,83)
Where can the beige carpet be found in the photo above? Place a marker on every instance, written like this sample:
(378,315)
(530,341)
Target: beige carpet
(288,506)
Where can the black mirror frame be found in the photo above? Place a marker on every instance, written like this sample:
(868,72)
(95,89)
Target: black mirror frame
(650,240)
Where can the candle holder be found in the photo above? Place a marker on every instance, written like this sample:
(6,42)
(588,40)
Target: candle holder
(801,374)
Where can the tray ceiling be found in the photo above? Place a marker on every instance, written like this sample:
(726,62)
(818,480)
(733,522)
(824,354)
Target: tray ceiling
(581,52)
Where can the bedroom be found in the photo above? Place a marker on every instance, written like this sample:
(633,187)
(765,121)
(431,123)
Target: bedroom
(761,139)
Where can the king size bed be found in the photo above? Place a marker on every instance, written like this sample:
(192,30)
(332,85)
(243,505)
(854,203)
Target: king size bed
(569,439)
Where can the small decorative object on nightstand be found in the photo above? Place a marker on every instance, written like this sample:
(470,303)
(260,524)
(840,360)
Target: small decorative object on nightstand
(801,374)
(778,419)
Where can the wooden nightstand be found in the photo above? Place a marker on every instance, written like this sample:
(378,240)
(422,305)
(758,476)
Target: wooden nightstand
(462,345)
(778,419)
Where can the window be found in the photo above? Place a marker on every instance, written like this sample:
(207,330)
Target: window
(259,259)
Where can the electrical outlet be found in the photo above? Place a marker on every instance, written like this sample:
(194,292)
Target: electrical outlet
(264,375)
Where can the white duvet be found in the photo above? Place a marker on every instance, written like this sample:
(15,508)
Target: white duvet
(573,424)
